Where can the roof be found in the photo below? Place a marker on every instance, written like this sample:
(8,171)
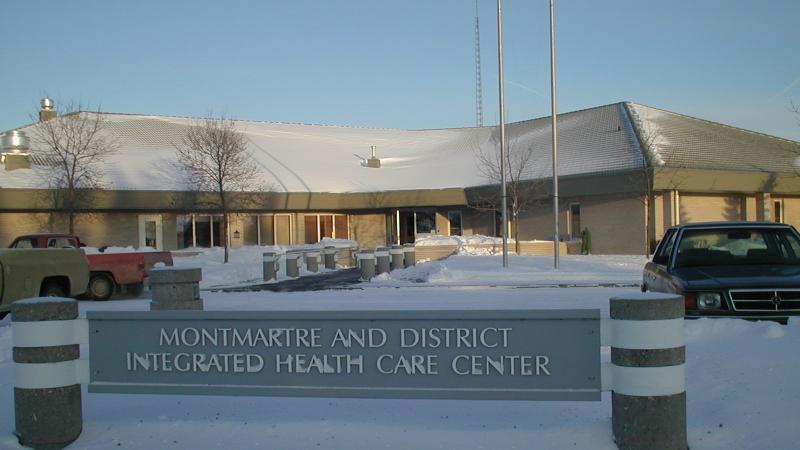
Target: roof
(732,224)
(319,158)
(679,141)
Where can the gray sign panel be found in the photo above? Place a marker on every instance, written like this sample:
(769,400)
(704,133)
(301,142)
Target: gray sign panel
(502,355)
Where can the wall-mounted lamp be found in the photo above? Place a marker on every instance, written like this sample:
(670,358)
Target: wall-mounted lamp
(236,234)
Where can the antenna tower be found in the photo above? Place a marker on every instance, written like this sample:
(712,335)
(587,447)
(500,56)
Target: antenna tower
(478,86)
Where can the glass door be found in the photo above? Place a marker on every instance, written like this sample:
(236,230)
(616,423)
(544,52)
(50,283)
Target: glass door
(151,232)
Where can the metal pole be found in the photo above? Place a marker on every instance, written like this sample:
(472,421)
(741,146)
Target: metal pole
(555,139)
(502,131)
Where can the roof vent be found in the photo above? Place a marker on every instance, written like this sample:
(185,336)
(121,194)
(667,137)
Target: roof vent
(48,109)
(373,161)
(14,146)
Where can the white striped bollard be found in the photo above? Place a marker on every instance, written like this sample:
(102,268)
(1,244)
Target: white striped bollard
(330,257)
(366,264)
(270,266)
(409,255)
(48,373)
(382,264)
(647,375)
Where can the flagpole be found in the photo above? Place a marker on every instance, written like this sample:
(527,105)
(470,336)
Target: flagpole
(555,136)
(502,125)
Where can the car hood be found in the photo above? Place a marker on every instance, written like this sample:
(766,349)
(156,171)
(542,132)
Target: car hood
(733,277)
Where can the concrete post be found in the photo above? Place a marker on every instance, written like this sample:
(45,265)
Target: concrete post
(382,260)
(293,261)
(312,261)
(397,257)
(349,256)
(270,266)
(47,399)
(409,255)
(330,258)
(648,401)
(175,289)
(366,263)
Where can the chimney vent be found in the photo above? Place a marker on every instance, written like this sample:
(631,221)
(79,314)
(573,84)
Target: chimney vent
(48,109)
(14,146)
(373,161)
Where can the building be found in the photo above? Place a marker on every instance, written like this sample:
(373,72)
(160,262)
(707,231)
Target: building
(626,172)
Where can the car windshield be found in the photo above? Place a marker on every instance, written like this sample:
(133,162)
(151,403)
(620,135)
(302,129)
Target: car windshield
(738,246)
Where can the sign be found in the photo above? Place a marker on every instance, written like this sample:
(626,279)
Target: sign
(493,355)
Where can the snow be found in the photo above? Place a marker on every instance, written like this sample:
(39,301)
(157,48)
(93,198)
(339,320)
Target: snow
(741,376)
(129,249)
(410,159)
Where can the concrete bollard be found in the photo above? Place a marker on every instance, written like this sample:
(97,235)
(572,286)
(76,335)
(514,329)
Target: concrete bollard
(366,264)
(409,255)
(293,261)
(330,257)
(270,266)
(382,260)
(397,257)
(648,401)
(312,261)
(47,390)
(175,289)
(348,256)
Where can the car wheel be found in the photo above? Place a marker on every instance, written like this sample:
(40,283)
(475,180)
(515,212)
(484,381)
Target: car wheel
(3,314)
(52,289)
(101,287)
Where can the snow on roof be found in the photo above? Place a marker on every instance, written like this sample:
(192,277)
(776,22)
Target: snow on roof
(320,158)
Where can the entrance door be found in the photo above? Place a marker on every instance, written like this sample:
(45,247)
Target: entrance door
(454,217)
(151,232)
(406,227)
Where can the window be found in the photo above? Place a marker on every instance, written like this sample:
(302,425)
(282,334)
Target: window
(426,222)
(575,220)
(743,246)
(454,217)
(25,243)
(319,226)
(667,242)
(340,227)
(61,242)
(777,211)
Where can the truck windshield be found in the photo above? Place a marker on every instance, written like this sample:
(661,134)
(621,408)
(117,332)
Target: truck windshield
(738,246)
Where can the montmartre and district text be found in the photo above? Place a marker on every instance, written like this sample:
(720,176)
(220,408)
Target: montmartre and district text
(302,351)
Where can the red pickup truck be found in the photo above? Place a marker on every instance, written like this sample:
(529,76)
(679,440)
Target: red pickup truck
(108,272)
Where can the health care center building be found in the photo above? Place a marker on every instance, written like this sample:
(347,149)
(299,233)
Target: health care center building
(626,173)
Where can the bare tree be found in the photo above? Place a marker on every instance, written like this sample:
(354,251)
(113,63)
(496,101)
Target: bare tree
(74,146)
(522,188)
(655,154)
(215,158)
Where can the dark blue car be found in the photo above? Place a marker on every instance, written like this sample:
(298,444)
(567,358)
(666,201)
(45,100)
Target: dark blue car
(749,270)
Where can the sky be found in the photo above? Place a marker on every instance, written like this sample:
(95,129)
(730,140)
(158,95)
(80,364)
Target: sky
(404,64)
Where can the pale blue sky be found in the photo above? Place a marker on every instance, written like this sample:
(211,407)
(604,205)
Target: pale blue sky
(401,64)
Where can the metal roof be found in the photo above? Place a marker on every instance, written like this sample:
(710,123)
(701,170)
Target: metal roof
(675,140)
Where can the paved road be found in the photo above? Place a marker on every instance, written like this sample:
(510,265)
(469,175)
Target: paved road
(340,279)
(350,279)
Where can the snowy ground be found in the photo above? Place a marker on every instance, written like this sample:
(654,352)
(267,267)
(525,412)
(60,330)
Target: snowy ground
(741,376)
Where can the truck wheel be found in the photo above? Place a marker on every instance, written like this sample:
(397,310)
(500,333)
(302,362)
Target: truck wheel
(101,286)
(52,289)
